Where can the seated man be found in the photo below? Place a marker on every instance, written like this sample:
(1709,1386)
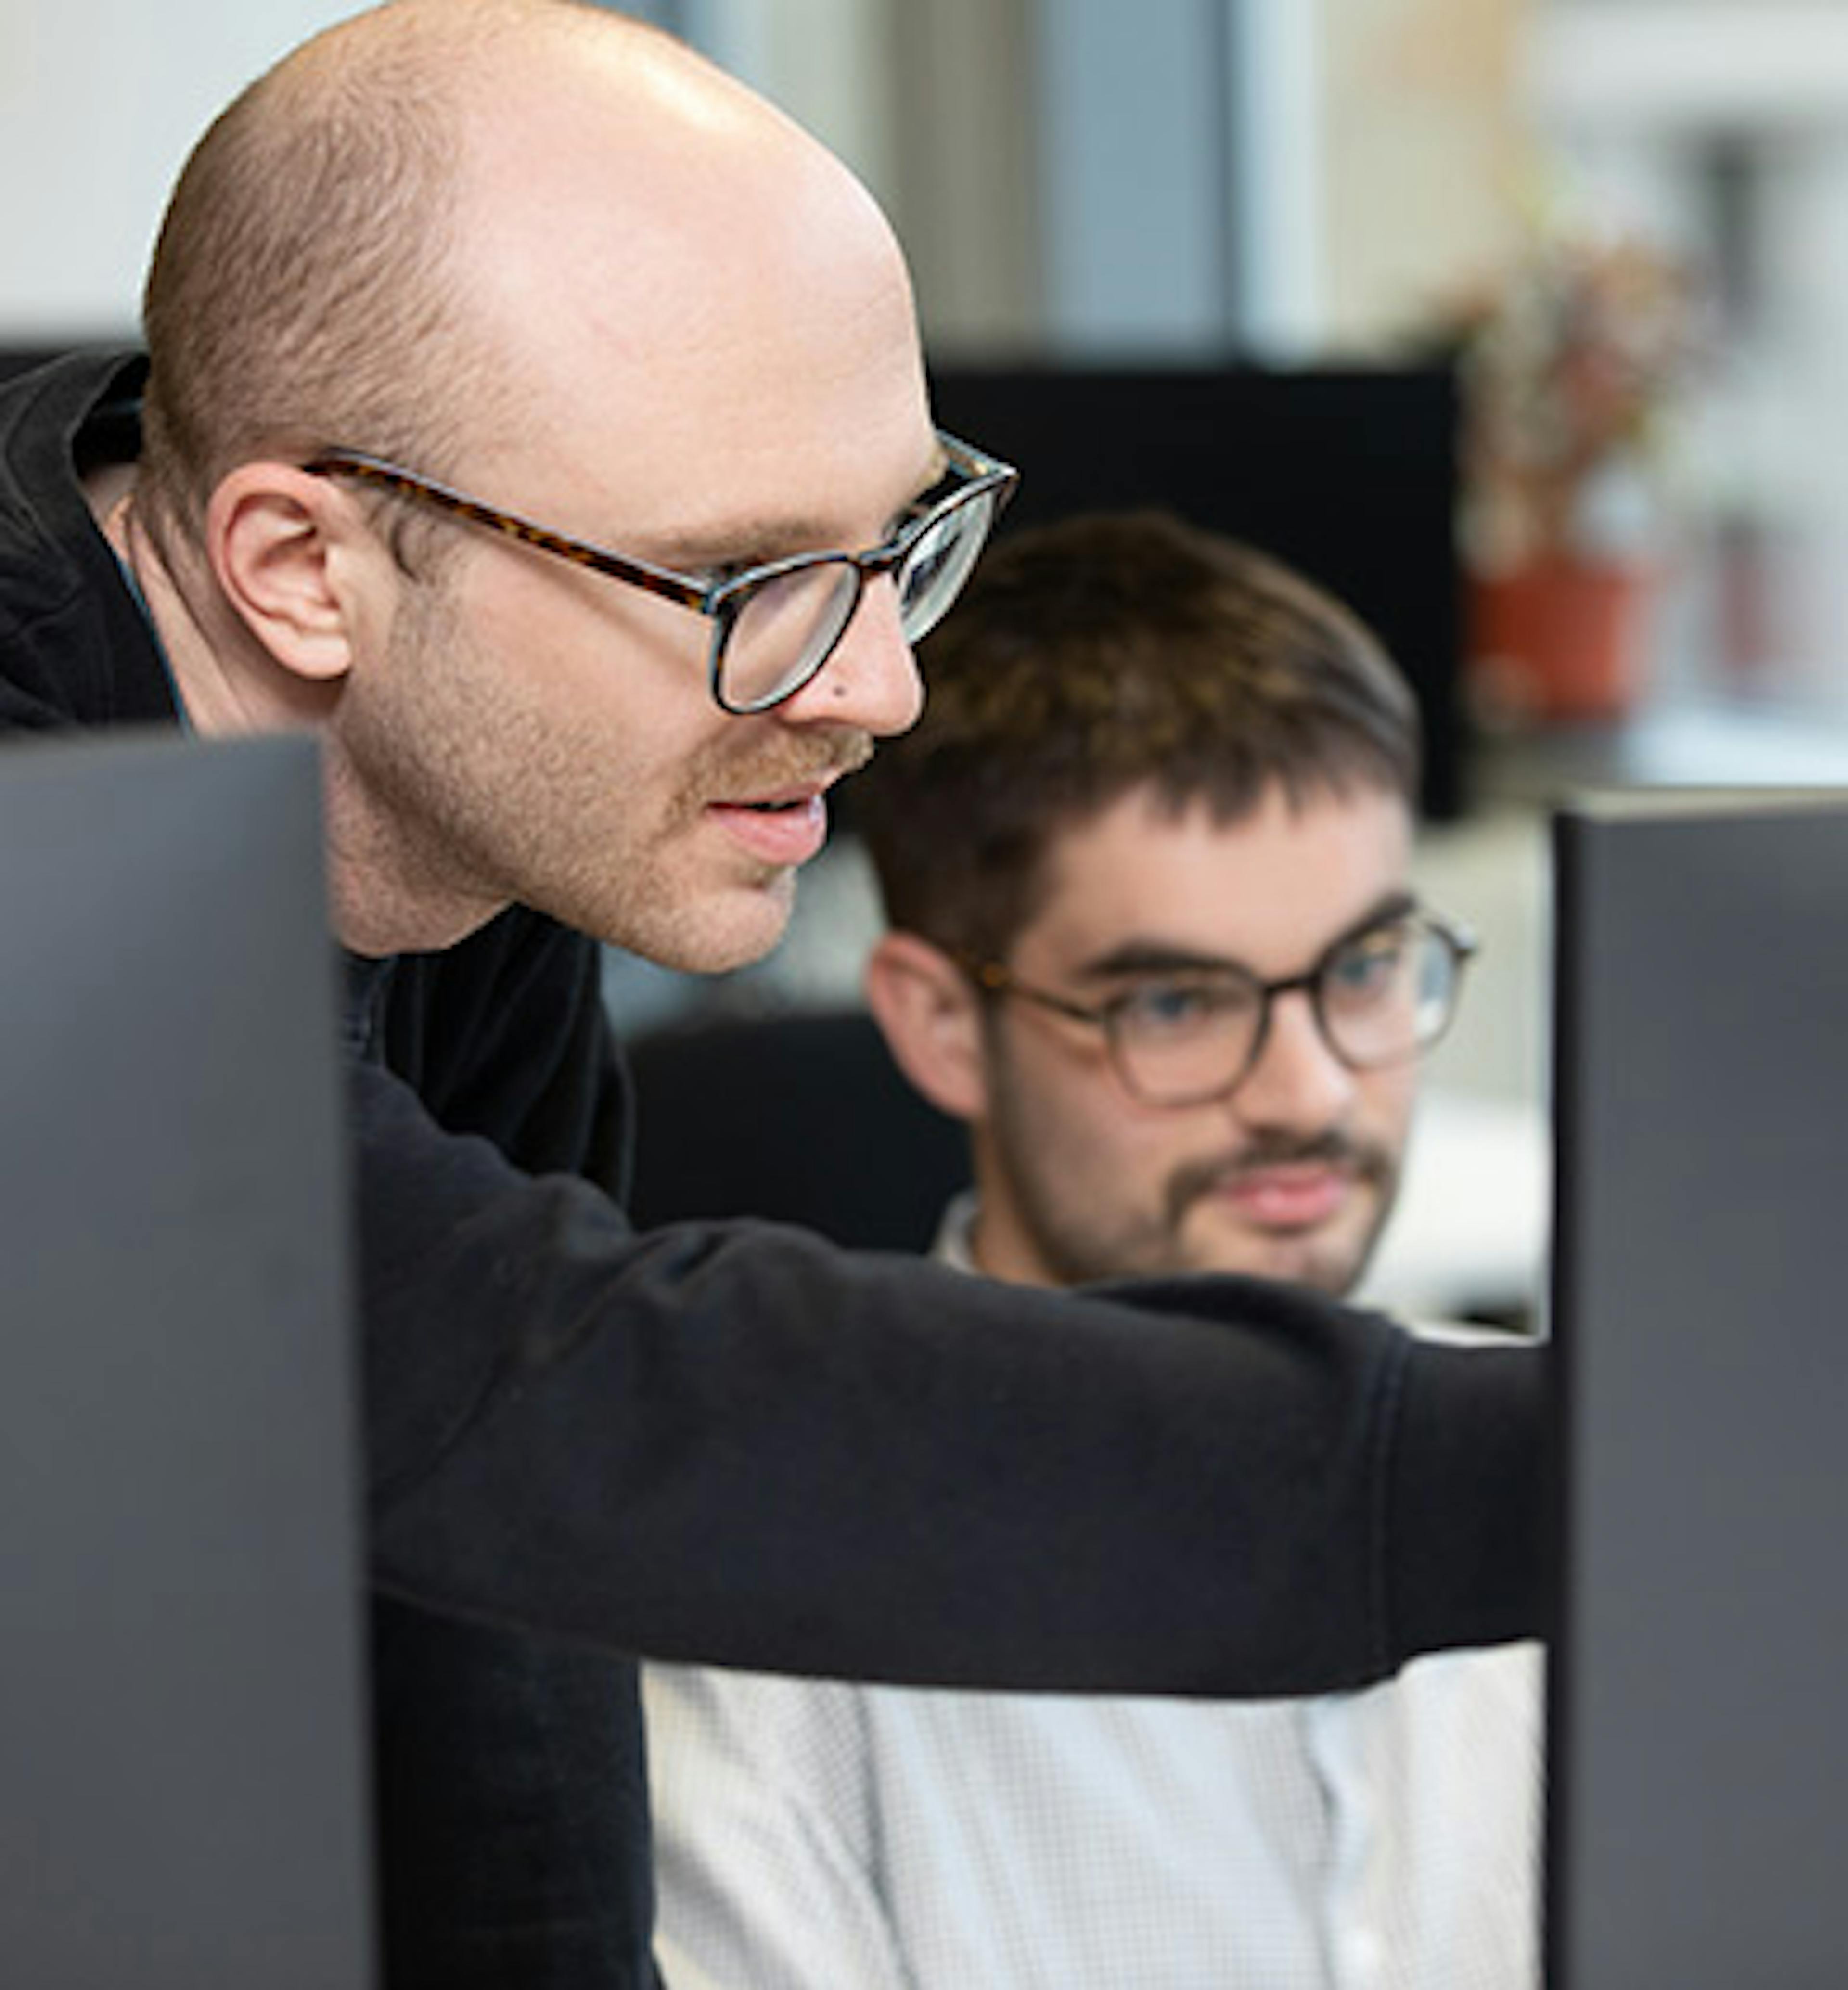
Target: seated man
(1146,862)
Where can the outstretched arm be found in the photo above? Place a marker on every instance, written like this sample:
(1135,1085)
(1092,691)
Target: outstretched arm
(733,1444)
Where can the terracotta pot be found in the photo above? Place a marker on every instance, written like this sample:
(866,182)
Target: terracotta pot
(1561,638)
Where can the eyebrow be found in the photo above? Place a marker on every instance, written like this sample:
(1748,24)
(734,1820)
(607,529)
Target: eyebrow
(1140,955)
(757,541)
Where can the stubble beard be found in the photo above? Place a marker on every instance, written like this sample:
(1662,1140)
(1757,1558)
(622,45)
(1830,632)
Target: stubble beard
(1330,1262)
(475,798)
(1073,1247)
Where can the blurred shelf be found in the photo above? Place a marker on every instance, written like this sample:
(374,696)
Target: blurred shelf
(1691,745)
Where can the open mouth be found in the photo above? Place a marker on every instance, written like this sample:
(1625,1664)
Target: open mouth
(780,829)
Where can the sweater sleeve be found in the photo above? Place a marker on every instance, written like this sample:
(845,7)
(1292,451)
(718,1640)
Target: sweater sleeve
(735,1444)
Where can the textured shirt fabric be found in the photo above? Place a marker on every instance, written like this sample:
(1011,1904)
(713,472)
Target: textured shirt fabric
(813,1834)
(731,1445)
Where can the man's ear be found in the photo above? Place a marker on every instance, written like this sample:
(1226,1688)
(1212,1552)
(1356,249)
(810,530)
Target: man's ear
(288,551)
(931,1018)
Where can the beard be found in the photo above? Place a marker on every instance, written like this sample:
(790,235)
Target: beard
(672,906)
(1332,1261)
(465,786)
(1084,1231)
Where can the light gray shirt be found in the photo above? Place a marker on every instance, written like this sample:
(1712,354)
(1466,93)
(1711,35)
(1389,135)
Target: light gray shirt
(813,1835)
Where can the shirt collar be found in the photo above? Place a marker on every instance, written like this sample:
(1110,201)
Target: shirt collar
(956,1234)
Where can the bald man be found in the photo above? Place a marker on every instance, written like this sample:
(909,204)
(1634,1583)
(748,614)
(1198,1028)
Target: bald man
(538,416)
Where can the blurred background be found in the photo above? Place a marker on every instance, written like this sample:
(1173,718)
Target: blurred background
(1635,211)
(1523,322)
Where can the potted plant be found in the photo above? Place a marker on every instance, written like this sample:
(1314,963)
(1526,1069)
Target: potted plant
(1571,369)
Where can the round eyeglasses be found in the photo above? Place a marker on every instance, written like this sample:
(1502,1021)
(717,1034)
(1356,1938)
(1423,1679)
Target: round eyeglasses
(1381,995)
(774,625)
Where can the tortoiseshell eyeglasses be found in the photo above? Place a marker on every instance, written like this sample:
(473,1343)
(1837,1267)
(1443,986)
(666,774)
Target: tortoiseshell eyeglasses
(774,625)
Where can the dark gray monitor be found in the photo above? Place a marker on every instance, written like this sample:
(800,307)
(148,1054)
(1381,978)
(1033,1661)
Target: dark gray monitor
(183,1770)
(1349,473)
(1698,1808)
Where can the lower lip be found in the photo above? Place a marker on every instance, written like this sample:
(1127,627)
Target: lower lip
(780,837)
(1291,1202)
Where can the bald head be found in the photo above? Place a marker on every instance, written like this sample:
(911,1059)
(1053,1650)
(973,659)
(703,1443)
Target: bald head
(445,220)
(642,231)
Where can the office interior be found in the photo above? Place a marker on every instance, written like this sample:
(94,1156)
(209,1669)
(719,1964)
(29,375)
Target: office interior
(1303,187)
(1276,190)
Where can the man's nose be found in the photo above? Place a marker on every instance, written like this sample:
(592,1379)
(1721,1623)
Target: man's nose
(871,682)
(1298,1082)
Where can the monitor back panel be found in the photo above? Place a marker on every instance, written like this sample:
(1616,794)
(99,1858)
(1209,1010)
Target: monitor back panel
(182,1773)
(1698,1807)
(1347,473)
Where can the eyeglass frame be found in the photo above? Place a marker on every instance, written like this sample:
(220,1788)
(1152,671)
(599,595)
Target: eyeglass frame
(994,978)
(723,600)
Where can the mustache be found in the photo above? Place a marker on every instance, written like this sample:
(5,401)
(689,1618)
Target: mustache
(764,766)
(1365,1160)
(798,762)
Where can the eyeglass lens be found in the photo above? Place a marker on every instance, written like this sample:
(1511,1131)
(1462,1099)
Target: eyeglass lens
(1380,999)
(785,629)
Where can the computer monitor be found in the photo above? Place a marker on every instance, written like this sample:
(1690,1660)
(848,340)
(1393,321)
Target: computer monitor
(1698,1756)
(183,1800)
(1349,473)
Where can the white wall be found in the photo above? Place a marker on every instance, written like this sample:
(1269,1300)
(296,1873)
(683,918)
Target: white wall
(1422,159)
(99,102)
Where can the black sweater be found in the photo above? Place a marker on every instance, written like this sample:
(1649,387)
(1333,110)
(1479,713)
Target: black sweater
(733,1444)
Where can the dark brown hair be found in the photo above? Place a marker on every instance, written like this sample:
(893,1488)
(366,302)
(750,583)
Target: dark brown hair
(1107,654)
